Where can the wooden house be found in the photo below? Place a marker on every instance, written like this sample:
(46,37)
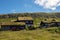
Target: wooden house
(12,26)
(20,23)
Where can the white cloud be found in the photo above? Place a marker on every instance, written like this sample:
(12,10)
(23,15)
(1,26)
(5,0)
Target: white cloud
(48,4)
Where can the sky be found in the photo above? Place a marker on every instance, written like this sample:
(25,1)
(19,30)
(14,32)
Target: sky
(16,6)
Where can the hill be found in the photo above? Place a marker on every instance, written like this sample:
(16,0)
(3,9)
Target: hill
(34,15)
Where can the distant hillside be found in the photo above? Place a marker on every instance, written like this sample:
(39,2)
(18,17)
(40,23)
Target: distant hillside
(34,15)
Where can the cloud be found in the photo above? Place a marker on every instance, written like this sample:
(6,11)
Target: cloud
(48,4)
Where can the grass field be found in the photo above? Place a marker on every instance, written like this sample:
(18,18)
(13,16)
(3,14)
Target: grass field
(38,34)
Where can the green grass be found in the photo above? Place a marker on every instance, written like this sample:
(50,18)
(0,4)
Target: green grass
(39,34)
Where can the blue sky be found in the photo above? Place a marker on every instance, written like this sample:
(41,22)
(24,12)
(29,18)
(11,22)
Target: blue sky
(10,6)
